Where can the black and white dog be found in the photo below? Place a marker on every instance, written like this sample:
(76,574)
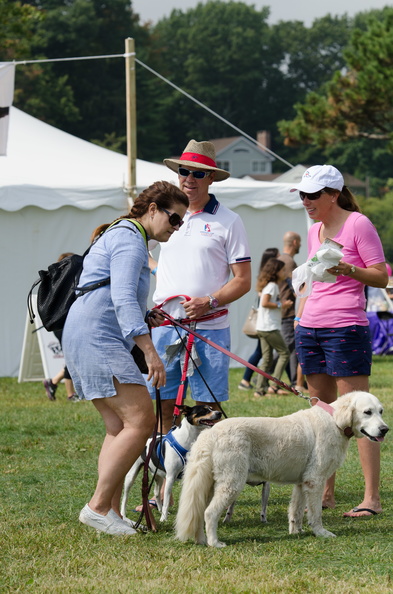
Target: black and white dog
(169,456)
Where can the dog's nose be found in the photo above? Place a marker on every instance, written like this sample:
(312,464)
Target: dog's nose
(383,430)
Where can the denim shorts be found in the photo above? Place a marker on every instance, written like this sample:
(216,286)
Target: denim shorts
(213,371)
(339,352)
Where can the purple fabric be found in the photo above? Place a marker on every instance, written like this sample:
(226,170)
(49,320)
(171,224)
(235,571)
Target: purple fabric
(381,329)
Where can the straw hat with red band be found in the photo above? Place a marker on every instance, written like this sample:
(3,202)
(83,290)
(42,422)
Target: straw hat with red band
(198,155)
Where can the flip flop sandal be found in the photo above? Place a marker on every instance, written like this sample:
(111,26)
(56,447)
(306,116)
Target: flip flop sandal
(152,503)
(355,510)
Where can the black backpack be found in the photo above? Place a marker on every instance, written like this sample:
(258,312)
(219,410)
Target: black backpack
(57,285)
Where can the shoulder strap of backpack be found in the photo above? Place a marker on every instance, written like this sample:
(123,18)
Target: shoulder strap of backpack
(137,225)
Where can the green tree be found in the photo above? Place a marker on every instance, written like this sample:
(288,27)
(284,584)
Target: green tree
(226,56)
(357,102)
(378,210)
(17,22)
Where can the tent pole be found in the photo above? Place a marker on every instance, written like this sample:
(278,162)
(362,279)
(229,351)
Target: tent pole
(131,118)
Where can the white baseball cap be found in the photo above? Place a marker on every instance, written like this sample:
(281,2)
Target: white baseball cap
(318,177)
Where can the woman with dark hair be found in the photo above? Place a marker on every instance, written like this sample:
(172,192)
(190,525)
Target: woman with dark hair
(269,324)
(101,329)
(245,382)
(333,340)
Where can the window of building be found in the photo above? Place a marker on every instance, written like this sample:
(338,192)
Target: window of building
(223,165)
(258,166)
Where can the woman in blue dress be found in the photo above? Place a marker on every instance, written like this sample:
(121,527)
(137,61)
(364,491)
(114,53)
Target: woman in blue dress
(101,329)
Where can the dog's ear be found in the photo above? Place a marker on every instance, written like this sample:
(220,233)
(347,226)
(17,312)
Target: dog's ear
(184,409)
(344,413)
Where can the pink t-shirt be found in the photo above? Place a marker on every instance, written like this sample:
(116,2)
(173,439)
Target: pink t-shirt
(343,303)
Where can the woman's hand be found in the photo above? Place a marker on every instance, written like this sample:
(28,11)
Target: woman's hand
(154,318)
(375,275)
(342,268)
(157,373)
(154,364)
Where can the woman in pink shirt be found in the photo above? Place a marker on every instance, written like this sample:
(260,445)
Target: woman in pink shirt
(333,341)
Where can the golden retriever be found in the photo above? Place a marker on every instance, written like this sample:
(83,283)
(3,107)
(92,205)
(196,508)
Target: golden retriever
(304,449)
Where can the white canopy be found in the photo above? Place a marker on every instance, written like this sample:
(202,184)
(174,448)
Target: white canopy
(56,188)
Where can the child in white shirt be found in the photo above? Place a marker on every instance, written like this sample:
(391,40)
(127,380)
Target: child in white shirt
(269,325)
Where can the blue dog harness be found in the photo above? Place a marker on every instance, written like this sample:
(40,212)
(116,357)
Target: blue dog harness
(174,444)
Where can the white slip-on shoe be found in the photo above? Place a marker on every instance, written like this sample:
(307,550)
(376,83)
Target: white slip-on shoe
(110,524)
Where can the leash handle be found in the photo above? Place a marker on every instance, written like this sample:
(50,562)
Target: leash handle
(186,297)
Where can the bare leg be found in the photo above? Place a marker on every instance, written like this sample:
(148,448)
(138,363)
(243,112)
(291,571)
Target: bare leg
(324,387)
(57,378)
(369,453)
(167,407)
(129,420)
(69,386)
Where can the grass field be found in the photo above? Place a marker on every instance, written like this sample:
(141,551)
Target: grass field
(48,471)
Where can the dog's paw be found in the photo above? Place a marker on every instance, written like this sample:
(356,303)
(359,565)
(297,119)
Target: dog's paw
(293,529)
(218,544)
(322,533)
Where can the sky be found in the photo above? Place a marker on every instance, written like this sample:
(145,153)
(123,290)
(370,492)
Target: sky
(288,10)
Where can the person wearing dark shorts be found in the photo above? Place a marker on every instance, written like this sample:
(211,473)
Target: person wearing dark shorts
(331,327)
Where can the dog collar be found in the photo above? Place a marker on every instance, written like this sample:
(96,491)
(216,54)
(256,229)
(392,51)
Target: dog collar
(347,431)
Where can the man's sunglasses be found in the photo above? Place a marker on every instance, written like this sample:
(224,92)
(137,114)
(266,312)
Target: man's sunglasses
(174,219)
(197,174)
(313,196)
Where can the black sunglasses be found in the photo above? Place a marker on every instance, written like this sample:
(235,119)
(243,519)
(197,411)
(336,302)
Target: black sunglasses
(313,196)
(175,219)
(197,174)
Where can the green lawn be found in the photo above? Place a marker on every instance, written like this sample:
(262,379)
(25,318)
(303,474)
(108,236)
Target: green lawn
(48,470)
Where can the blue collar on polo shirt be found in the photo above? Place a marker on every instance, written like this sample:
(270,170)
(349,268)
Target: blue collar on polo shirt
(212,205)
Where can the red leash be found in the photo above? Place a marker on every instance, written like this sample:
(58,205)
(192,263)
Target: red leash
(181,323)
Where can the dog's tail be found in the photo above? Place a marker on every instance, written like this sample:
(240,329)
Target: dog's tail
(197,488)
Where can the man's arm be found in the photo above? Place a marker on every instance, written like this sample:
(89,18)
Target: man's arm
(235,288)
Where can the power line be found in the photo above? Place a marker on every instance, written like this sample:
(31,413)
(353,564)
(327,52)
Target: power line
(167,81)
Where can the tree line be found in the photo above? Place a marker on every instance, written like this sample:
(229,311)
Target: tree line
(324,92)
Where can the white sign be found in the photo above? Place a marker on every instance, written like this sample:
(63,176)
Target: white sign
(42,356)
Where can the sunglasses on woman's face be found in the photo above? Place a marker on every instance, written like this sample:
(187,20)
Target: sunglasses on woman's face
(313,196)
(174,219)
(183,172)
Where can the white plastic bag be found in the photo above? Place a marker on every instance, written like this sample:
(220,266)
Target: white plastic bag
(328,255)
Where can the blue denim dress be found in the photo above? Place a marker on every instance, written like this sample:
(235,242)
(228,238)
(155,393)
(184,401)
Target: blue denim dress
(100,326)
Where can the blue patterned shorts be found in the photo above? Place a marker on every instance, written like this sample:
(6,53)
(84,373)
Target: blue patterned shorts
(339,352)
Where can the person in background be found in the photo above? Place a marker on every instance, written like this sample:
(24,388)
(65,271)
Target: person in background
(245,383)
(51,384)
(101,329)
(292,243)
(209,261)
(333,341)
(269,325)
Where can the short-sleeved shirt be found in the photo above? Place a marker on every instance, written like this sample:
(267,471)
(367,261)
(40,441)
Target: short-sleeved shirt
(343,303)
(269,318)
(197,259)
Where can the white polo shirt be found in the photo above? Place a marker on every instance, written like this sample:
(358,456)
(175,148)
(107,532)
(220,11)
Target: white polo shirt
(196,260)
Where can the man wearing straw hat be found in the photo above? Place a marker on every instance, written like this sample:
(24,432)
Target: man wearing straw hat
(208,259)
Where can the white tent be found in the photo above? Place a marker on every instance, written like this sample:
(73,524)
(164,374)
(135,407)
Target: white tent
(55,189)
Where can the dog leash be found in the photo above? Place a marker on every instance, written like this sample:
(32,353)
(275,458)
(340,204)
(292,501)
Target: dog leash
(329,409)
(181,324)
(191,323)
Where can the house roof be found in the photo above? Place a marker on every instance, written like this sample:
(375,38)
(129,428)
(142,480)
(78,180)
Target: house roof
(221,144)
